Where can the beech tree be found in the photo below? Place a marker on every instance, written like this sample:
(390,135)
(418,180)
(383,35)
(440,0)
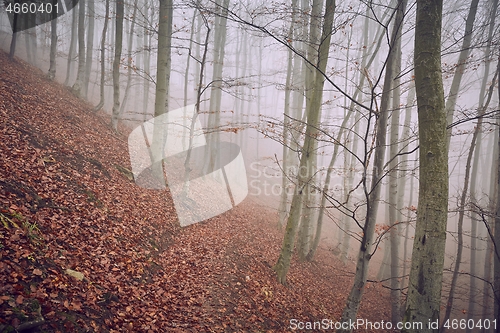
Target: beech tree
(53,45)
(103,60)
(129,57)
(80,76)
(424,290)
(162,83)
(90,47)
(373,194)
(116,63)
(220,34)
(72,44)
(283,263)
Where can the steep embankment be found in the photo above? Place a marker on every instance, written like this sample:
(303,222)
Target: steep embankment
(64,204)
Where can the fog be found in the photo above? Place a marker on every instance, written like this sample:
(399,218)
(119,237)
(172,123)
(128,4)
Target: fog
(254,100)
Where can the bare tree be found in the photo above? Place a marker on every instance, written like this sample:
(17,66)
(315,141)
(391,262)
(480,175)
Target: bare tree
(162,84)
(283,263)
(116,63)
(424,290)
(72,44)
(53,44)
(103,60)
(373,195)
(129,57)
(80,76)
(90,47)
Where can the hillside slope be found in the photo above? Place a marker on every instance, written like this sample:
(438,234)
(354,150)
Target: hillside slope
(64,204)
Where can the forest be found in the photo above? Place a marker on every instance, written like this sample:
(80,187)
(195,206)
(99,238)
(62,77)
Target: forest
(253,166)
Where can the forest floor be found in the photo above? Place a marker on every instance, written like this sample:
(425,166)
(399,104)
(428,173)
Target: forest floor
(64,204)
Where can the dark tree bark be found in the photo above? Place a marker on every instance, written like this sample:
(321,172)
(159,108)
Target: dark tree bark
(78,86)
(13,41)
(53,44)
(116,63)
(103,51)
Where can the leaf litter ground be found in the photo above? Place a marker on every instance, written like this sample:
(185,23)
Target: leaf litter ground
(65,205)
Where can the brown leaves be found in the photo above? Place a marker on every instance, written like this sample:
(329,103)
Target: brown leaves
(141,274)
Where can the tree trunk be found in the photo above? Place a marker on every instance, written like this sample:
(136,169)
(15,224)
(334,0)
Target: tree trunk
(129,59)
(305,226)
(13,41)
(53,44)
(496,262)
(220,33)
(103,59)
(403,178)
(90,48)
(475,172)
(373,50)
(27,43)
(116,63)
(147,62)
(186,77)
(459,71)
(78,86)
(283,263)
(72,45)
(393,186)
(461,206)
(424,290)
(490,223)
(162,69)
(283,207)
(365,252)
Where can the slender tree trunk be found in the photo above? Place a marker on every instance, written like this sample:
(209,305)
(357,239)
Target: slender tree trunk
(72,45)
(13,41)
(90,48)
(496,242)
(53,44)
(305,226)
(216,91)
(295,125)
(349,187)
(103,58)
(199,92)
(197,53)
(393,186)
(475,172)
(283,207)
(162,70)
(78,86)
(27,43)
(424,290)
(488,298)
(463,198)
(459,71)
(116,63)
(403,177)
(186,76)
(373,50)
(129,59)
(365,252)
(407,232)
(283,263)
(147,62)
